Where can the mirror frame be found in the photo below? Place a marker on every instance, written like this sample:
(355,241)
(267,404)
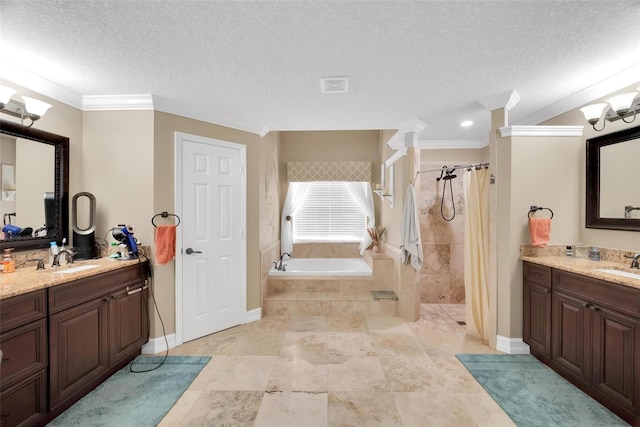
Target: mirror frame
(61,185)
(593,219)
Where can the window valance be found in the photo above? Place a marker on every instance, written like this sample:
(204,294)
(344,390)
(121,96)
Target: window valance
(329,171)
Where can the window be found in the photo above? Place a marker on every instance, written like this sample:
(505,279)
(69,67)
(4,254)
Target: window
(328,214)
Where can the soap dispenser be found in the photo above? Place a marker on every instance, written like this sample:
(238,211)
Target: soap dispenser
(8,263)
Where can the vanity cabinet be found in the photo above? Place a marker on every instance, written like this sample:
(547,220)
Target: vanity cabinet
(97,325)
(537,308)
(594,336)
(23,369)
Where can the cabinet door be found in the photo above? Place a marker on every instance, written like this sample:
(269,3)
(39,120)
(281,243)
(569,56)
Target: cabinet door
(25,402)
(616,340)
(537,318)
(128,329)
(78,349)
(571,336)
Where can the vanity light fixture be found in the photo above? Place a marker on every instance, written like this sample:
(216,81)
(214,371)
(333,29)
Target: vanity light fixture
(31,108)
(623,107)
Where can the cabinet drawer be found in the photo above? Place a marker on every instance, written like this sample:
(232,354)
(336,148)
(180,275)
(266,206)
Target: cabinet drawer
(22,309)
(539,274)
(620,298)
(24,351)
(25,402)
(67,295)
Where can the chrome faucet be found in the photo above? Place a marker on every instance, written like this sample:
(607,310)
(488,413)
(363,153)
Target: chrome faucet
(634,260)
(280,266)
(56,258)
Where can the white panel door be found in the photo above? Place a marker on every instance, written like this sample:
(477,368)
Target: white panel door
(212,239)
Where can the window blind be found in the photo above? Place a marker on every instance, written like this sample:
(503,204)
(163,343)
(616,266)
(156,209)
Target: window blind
(328,214)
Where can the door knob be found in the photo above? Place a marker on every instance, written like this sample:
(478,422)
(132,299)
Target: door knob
(190,251)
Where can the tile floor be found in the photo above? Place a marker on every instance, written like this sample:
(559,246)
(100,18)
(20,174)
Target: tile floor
(306,371)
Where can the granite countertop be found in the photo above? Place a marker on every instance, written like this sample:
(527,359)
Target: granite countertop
(28,279)
(587,267)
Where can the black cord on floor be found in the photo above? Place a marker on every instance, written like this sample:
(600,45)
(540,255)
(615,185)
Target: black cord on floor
(149,322)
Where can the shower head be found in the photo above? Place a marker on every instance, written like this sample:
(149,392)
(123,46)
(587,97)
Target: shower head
(446,174)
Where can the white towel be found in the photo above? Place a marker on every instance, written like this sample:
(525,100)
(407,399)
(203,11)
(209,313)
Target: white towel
(411,241)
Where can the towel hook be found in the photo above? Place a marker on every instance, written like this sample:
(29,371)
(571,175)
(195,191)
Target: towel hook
(538,208)
(164,214)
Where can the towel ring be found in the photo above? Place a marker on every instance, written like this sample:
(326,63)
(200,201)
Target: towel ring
(538,208)
(164,215)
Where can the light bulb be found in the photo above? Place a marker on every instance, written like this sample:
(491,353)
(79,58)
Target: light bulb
(621,103)
(593,112)
(5,94)
(35,107)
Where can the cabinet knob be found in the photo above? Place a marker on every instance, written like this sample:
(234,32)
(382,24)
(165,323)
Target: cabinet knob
(586,305)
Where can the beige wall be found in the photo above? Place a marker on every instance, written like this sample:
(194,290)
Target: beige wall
(629,240)
(326,146)
(60,119)
(165,126)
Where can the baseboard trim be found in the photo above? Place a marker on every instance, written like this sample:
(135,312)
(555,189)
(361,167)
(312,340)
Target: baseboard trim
(511,345)
(253,315)
(159,344)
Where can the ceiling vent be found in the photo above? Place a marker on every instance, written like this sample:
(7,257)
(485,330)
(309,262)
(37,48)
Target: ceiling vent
(334,84)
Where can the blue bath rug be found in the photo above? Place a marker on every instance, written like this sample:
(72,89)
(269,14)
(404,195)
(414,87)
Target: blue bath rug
(534,395)
(129,399)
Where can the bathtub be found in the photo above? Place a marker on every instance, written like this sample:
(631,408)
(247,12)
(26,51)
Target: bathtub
(323,267)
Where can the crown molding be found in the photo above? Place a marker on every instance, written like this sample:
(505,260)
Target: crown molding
(541,131)
(213,117)
(31,81)
(603,88)
(400,153)
(134,102)
(452,144)
(397,141)
(507,100)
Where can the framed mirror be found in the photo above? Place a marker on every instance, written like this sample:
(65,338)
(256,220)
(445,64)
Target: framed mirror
(613,181)
(34,189)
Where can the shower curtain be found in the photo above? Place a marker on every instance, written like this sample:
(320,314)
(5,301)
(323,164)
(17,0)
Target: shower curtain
(476,252)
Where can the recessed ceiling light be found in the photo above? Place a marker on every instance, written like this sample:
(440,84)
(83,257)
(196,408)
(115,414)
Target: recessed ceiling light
(334,84)
(466,124)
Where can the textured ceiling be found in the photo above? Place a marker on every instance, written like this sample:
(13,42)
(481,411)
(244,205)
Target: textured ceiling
(262,61)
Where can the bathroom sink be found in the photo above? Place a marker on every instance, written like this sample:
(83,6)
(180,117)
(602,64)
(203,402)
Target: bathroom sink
(75,269)
(619,273)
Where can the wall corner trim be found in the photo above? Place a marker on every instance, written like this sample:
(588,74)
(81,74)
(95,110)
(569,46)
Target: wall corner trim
(159,344)
(511,345)
(557,131)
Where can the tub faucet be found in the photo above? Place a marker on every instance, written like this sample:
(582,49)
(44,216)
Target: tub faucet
(634,260)
(279,267)
(56,258)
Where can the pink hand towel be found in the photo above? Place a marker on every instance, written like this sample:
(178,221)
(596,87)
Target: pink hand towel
(539,230)
(165,244)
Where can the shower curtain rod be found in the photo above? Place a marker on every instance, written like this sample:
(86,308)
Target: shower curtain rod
(453,168)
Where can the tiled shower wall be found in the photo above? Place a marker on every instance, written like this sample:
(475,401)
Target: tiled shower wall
(442,275)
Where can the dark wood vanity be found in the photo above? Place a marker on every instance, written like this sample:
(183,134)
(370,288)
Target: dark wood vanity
(587,330)
(60,342)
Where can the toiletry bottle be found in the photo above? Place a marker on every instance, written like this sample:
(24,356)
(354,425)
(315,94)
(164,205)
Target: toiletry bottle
(8,263)
(595,254)
(53,251)
(568,250)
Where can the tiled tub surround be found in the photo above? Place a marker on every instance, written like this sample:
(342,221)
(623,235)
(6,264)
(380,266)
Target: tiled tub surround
(554,256)
(332,295)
